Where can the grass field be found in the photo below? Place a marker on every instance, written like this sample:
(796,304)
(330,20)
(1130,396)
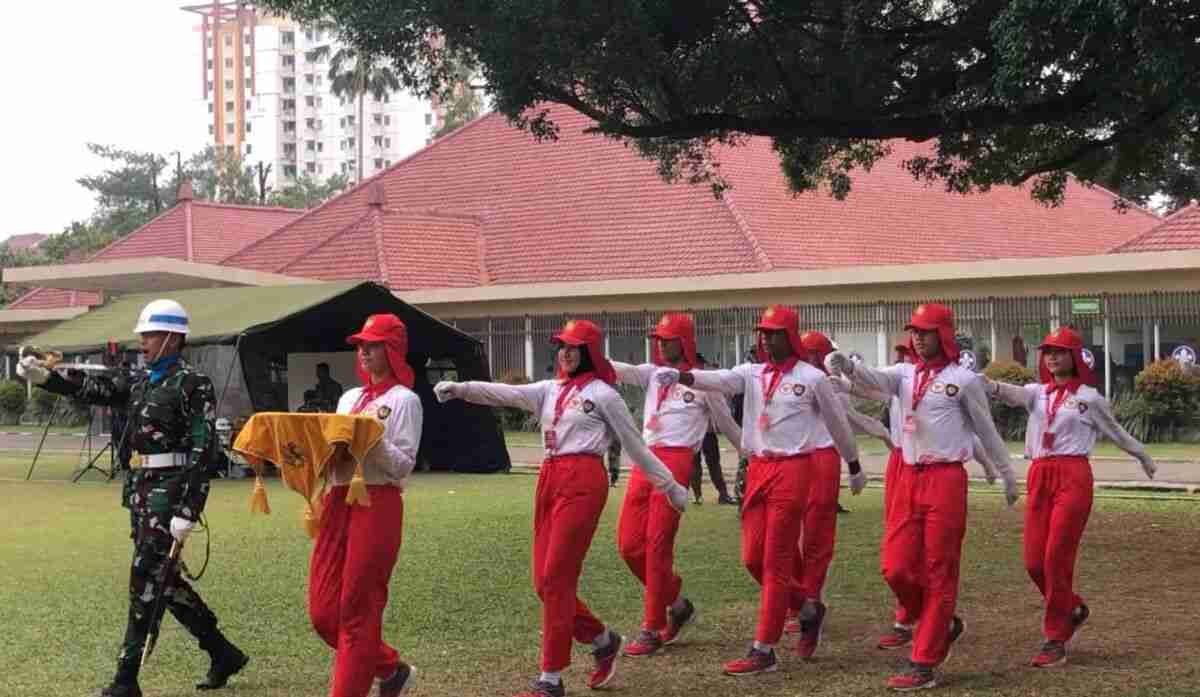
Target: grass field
(463,611)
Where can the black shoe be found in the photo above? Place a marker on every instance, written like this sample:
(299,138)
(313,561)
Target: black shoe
(957,627)
(542,688)
(229,663)
(842,509)
(677,620)
(1079,617)
(399,683)
(118,689)
(699,501)
(724,500)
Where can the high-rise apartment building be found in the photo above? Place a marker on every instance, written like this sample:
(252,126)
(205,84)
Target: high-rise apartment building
(269,97)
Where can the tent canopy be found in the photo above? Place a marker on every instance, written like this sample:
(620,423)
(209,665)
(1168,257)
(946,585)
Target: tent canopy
(222,315)
(265,324)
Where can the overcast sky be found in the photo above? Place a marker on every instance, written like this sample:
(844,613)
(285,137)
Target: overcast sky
(121,72)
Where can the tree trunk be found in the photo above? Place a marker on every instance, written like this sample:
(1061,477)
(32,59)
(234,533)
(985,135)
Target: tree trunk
(361,131)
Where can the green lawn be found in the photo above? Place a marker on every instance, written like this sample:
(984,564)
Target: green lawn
(462,609)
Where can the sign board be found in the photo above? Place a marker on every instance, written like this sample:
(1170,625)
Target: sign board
(1186,355)
(1085,306)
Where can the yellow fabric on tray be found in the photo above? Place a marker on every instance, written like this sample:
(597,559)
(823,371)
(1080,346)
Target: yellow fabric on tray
(301,446)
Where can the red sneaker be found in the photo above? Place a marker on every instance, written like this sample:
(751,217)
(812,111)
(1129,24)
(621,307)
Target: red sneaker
(1053,654)
(755,662)
(676,621)
(917,677)
(646,644)
(811,619)
(606,661)
(900,636)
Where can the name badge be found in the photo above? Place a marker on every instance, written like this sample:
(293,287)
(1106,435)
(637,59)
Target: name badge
(550,440)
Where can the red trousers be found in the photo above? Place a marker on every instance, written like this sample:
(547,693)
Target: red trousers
(922,548)
(646,535)
(820,524)
(892,471)
(772,517)
(348,585)
(1056,512)
(571,493)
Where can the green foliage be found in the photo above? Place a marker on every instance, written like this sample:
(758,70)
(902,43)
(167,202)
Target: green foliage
(222,177)
(12,398)
(1166,401)
(1003,92)
(1010,421)
(308,192)
(461,99)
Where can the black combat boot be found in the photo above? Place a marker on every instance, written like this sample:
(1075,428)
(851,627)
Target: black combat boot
(125,682)
(227,661)
(122,689)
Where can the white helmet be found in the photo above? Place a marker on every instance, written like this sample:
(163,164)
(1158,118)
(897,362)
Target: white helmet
(162,316)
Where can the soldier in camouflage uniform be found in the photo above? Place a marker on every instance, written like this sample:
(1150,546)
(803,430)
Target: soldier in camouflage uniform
(169,440)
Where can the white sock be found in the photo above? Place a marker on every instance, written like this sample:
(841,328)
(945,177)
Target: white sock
(764,648)
(552,678)
(602,639)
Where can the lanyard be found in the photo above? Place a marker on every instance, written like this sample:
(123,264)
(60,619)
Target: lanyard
(1052,405)
(921,382)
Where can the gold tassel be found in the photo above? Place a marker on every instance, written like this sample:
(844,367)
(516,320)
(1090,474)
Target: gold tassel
(258,501)
(312,521)
(358,488)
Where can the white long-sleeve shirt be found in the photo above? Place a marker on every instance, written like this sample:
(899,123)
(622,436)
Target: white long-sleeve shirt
(1081,417)
(591,418)
(682,420)
(805,414)
(392,459)
(953,411)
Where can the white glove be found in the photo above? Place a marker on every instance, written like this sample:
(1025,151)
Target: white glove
(33,370)
(181,528)
(667,377)
(858,482)
(1010,490)
(446,390)
(1148,466)
(678,496)
(838,363)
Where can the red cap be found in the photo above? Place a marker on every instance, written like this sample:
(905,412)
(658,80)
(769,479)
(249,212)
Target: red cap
(814,342)
(391,332)
(675,325)
(776,318)
(1067,339)
(936,317)
(581,332)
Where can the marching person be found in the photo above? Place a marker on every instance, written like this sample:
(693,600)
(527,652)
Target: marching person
(580,413)
(942,405)
(674,424)
(1066,415)
(796,426)
(710,451)
(169,416)
(807,613)
(357,546)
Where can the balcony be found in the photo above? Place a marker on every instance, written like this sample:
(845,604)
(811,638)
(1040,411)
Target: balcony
(288,158)
(288,114)
(287,137)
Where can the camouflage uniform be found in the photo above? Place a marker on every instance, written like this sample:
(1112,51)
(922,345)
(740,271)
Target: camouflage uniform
(171,414)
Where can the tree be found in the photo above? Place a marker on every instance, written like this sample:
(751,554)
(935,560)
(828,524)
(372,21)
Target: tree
(128,193)
(353,72)
(309,192)
(1003,91)
(222,177)
(461,99)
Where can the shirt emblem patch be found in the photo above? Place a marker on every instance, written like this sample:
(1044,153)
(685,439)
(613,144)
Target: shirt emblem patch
(1083,407)
(939,387)
(588,406)
(951,390)
(798,390)
(383,413)
(689,397)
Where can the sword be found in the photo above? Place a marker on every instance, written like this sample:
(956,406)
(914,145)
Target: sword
(156,616)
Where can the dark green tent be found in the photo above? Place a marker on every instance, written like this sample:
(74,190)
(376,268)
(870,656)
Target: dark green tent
(260,326)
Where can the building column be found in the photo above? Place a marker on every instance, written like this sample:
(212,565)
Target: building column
(607,345)
(491,364)
(1147,342)
(737,347)
(992,329)
(1053,314)
(1107,362)
(528,348)
(1157,341)
(882,350)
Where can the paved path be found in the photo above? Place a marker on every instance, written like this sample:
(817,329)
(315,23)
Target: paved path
(1183,473)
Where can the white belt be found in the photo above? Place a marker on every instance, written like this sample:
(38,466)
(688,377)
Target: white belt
(140,461)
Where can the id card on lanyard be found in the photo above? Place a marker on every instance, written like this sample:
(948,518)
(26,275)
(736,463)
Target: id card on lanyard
(550,435)
(922,379)
(1052,406)
(764,421)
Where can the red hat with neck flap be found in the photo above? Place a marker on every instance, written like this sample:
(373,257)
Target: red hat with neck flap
(1067,339)
(779,318)
(581,332)
(935,317)
(675,325)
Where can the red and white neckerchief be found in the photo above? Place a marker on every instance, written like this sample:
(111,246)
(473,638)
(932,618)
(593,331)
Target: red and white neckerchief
(566,389)
(926,373)
(1055,396)
(776,373)
(664,391)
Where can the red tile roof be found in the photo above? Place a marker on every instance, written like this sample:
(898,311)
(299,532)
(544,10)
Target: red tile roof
(216,231)
(586,208)
(1180,230)
(27,241)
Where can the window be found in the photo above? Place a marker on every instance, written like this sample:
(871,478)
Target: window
(350,142)
(210,107)
(247,148)
(246,38)
(289,61)
(310,167)
(249,83)
(229,84)
(428,119)
(350,121)
(210,46)
(310,145)
(342,122)
(228,107)
(249,61)
(387,121)
(228,40)
(229,149)
(210,64)
(210,85)
(378,119)
(320,100)
(289,104)
(289,170)
(309,79)
(387,163)
(320,168)
(308,34)
(247,105)
(310,124)
(211,130)
(378,141)
(289,126)
(229,63)
(229,129)
(320,147)
(289,149)
(310,101)
(387,142)
(287,38)
(248,125)
(378,163)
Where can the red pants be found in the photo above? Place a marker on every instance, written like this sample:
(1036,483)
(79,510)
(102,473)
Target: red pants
(820,524)
(1056,512)
(348,585)
(571,493)
(921,550)
(772,517)
(646,535)
(894,463)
